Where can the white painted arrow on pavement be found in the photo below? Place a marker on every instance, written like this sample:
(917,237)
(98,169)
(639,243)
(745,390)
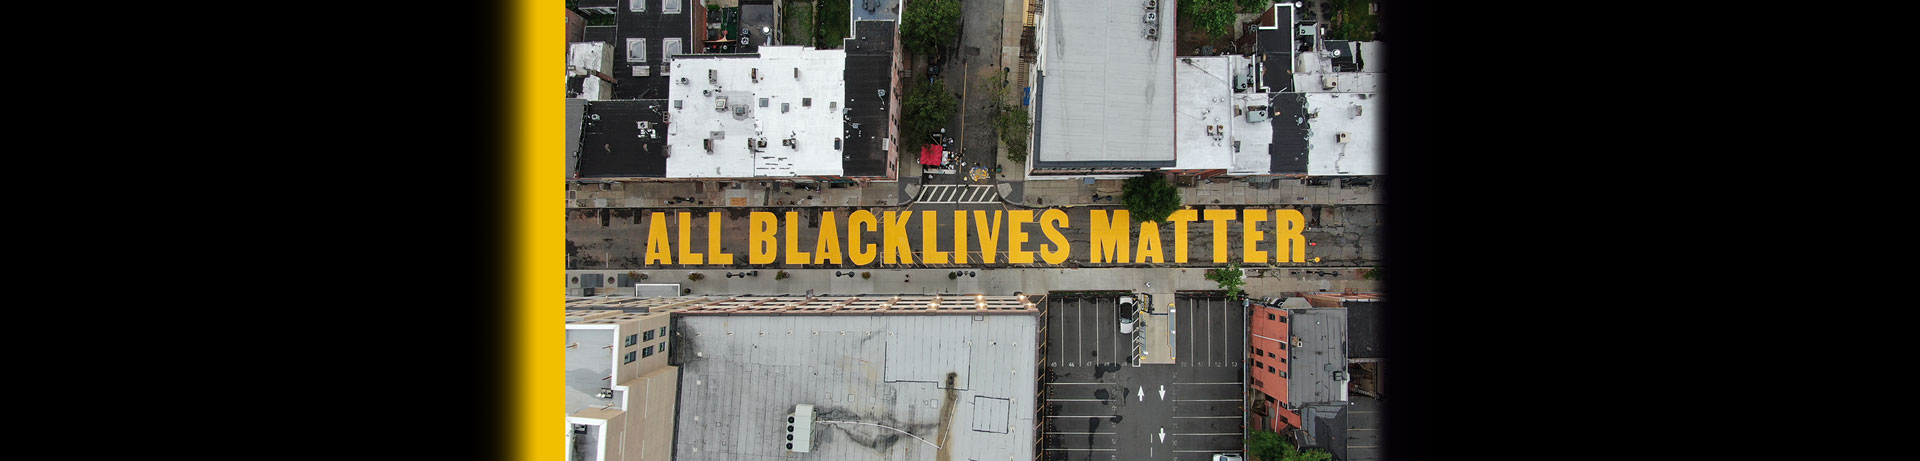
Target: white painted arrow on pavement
(1143,393)
(1163,434)
(1163,392)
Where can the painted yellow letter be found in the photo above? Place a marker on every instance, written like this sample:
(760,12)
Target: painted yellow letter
(826,247)
(989,234)
(1219,218)
(1287,225)
(896,250)
(1109,238)
(1180,218)
(687,256)
(930,241)
(1057,252)
(1250,249)
(959,237)
(760,243)
(658,248)
(859,221)
(713,240)
(1017,236)
(1149,244)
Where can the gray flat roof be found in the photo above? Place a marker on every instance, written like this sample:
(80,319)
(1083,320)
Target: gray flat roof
(1319,348)
(588,366)
(742,374)
(1109,96)
(576,109)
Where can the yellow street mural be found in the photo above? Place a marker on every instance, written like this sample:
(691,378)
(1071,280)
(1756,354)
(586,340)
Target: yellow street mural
(971,237)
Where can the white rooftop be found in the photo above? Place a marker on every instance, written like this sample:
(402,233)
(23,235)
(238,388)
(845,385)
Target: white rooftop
(1313,68)
(1207,98)
(586,58)
(812,114)
(1108,91)
(1361,154)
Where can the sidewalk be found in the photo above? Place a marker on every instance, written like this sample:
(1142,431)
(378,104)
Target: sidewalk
(1232,191)
(995,282)
(659,194)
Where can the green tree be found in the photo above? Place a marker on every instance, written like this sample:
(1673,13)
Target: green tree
(1229,278)
(1010,121)
(1266,446)
(1149,197)
(1213,16)
(1270,446)
(929,107)
(830,32)
(928,24)
(1372,274)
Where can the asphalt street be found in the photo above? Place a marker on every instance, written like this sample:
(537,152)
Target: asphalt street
(616,238)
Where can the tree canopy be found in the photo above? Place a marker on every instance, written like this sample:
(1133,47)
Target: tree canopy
(1149,197)
(1213,16)
(1229,279)
(1270,446)
(929,106)
(928,24)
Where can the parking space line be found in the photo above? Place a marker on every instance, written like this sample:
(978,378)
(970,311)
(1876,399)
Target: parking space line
(1082,315)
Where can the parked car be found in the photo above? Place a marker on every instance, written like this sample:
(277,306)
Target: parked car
(1226,457)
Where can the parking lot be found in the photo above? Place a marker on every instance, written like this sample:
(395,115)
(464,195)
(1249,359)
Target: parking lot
(1100,407)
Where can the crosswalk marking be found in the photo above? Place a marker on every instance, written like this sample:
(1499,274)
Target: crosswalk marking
(957,193)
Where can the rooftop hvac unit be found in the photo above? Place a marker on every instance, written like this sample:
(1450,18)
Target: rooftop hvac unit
(796,72)
(800,429)
(1357,109)
(763,143)
(794,142)
(882,92)
(642,71)
(684,81)
(1151,4)
(1152,17)
(604,393)
(579,428)
(836,143)
(756,72)
(644,125)
(708,143)
(713,75)
(1328,82)
(1340,137)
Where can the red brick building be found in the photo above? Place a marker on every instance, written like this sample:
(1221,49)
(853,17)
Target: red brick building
(1267,368)
(575,24)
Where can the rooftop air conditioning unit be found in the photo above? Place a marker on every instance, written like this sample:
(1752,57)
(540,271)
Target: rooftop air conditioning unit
(605,393)
(579,428)
(1328,82)
(684,81)
(1152,17)
(1152,4)
(1341,137)
(1357,109)
(644,125)
(836,143)
(713,75)
(708,143)
(800,429)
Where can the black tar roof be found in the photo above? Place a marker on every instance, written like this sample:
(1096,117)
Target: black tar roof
(1326,427)
(598,4)
(611,147)
(1288,151)
(655,27)
(869,70)
(1363,329)
(1274,48)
